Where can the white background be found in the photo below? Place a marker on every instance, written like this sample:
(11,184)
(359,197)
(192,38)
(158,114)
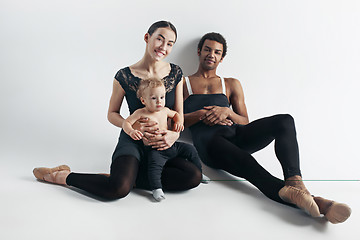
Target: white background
(58,60)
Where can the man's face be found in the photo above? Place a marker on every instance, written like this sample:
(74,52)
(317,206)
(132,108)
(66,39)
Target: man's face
(211,54)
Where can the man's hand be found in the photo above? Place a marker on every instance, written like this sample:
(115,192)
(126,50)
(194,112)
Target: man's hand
(226,122)
(216,115)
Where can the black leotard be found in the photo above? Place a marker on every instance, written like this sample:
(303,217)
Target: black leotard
(126,145)
(230,147)
(130,84)
(178,174)
(200,132)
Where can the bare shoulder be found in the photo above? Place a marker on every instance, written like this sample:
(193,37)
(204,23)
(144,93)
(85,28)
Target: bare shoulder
(233,86)
(232,82)
(167,110)
(139,111)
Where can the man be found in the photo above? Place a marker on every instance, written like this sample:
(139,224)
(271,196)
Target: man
(225,139)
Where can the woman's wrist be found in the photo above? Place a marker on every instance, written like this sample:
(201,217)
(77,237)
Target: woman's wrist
(173,137)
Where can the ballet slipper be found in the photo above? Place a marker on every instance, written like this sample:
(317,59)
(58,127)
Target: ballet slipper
(297,182)
(333,211)
(41,172)
(301,199)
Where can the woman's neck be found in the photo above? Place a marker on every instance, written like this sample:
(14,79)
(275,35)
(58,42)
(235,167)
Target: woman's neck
(149,65)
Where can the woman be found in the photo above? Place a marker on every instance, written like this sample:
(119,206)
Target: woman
(128,168)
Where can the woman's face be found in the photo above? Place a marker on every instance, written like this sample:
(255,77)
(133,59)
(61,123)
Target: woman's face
(160,43)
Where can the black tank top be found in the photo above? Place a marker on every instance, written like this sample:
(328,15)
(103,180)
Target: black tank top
(130,84)
(200,132)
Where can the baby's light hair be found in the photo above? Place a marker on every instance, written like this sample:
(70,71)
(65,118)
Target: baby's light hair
(148,83)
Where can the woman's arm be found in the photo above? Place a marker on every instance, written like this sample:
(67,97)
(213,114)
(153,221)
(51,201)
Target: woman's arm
(179,98)
(116,100)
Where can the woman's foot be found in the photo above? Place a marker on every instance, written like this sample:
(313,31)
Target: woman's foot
(296,193)
(333,211)
(56,175)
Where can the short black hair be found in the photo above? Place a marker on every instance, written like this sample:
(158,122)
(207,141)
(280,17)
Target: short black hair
(214,37)
(162,24)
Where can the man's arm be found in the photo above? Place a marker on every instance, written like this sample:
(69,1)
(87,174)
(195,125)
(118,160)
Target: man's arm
(239,113)
(194,117)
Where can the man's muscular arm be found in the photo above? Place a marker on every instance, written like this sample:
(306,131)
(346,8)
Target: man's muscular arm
(239,113)
(193,117)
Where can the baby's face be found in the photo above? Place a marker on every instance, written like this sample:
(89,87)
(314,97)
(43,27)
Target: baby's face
(154,98)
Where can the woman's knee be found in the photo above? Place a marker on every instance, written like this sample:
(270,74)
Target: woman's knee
(180,174)
(119,191)
(195,176)
(192,175)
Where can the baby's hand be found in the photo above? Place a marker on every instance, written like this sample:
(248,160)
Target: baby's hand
(136,134)
(178,127)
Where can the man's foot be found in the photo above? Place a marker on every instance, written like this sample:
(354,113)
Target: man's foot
(296,193)
(158,194)
(333,211)
(56,175)
(205,179)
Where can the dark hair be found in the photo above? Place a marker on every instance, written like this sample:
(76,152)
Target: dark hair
(214,37)
(162,24)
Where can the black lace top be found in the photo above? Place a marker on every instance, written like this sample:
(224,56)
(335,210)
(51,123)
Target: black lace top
(130,84)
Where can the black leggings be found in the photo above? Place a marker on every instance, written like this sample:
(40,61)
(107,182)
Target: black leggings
(178,174)
(231,151)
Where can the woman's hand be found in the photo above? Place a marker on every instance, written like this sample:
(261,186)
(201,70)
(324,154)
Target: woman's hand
(146,126)
(216,115)
(163,139)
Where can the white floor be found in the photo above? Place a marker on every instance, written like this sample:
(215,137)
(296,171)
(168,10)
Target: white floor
(220,210)
(57,63)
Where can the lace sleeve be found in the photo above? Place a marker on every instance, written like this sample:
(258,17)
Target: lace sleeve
(173,78)
(120,76)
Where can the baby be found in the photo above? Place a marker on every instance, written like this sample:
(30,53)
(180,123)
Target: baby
(151,93)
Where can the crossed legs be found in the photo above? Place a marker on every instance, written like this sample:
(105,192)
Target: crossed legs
(232,152)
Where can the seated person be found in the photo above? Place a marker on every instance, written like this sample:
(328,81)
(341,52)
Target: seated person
(151,93)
